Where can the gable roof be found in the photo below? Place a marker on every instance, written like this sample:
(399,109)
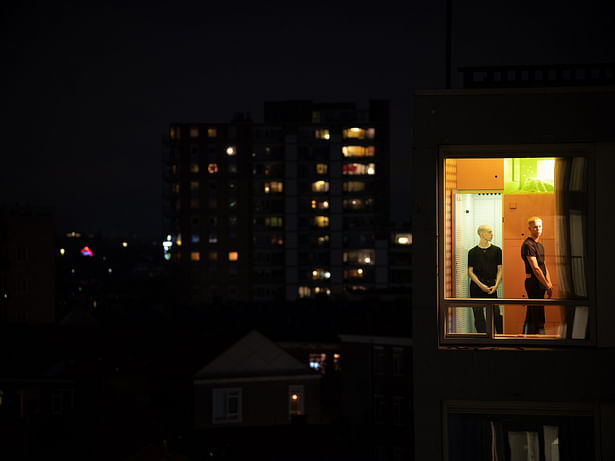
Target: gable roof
(253,355)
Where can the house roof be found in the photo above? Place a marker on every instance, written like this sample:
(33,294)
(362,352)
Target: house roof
(253,355)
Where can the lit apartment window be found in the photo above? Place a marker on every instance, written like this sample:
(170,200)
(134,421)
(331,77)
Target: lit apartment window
(321,274)
(495,198)
(274,221)
(172,133)
(213,256)
(357,203)
(370,133)
(273,187)
(194,168)
(211,132)
(195,238)
(358,151)
(194,132)
(304,292)
(403,239)
(175,188)
(353,186)
(320,204)
(195,256)
(322,133)
(322,240)
(353,133)
(359,169)
(367,256)
(322,168)
(231,150)
(226,405)
(212,168)
(213,238)
(295,400)
(321,221)
(315,117)
(322,291)
(320,186)
(233,256)
(350,274)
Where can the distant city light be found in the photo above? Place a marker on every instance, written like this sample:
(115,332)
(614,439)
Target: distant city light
(230,150)
(294,396)
(355,129)
(110,270)
(167,257)
(124,244)
(403,239)
(360,271)
(367,260)
(62,251)
(73,235)
(85,251)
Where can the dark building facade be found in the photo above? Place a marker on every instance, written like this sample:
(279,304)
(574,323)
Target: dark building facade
(526,388)
(281,210)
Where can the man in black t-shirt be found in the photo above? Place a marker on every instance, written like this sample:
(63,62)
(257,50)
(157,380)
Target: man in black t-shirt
(537,277)
(485,272)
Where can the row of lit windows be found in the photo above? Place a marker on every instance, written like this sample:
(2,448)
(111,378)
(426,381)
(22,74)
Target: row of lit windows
(348,133)
(213,256)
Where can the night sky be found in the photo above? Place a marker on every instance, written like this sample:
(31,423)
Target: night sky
(88,91)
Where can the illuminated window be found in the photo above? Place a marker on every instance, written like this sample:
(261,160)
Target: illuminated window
(195,256)
(322,168)
(175,188)
(322,240)
(304,292)
(358,151)
(322,133)
(354,133)
(233,255)
(213,255)
(492,199)
(273,187)
(320,204)
(321,274)
(212,168)
(367,256)
(194,168)
(295,400)
(357,203)
(359,169)
(211,132)
(320,186)
(370,133)
(350,274)
(403,239)
(173,133)
(195,238)
(274,221)
(213,238)
(194,132)
(231,150)
(322,291)
(353,186)
(321,221)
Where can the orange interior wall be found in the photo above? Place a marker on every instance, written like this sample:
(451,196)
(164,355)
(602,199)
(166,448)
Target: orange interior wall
(517,209)
(480,174)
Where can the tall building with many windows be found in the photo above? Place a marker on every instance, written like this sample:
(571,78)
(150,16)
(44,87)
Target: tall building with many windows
(281,210)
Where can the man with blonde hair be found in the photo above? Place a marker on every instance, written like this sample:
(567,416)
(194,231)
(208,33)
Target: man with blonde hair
(485,272)
(537,277)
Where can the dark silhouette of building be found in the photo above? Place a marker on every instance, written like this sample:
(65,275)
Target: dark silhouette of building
(27,265)
(500,154)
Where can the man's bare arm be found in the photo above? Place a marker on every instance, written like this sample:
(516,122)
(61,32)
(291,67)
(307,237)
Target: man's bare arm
(538,273)
(474,278)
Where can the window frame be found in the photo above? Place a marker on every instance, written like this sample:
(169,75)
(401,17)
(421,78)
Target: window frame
(488,340)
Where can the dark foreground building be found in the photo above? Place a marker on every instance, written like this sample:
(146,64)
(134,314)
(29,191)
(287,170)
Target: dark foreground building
(497,157)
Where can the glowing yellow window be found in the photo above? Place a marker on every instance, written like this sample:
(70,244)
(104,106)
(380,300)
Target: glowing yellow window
(194,168)
(233,255)
(195,256)
(320,186)
(322,133)
(354,133)
(212,168)
(322,168)
(194,132)
(321,221)
(211,132)
(273,187)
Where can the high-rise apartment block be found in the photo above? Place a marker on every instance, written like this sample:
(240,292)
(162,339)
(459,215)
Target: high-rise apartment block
(295,207)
